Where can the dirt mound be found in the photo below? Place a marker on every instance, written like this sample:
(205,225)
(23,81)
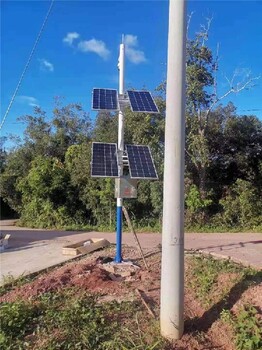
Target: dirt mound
(86,276)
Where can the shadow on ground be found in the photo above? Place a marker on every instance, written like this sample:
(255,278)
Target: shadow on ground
(26,239)
(204,323)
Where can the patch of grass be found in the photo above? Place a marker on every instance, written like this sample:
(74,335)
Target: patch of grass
(10,282)
(66,320)
(223,229)
(155,227)
(10,279)
(247,327)
(106,228)
(204,274)
(16,320)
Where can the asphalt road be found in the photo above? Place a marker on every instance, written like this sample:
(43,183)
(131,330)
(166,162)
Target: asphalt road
(31,250)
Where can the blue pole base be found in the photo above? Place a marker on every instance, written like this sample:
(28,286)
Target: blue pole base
(118,258)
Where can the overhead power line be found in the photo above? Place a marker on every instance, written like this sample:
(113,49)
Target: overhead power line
(27,63)
(251,110)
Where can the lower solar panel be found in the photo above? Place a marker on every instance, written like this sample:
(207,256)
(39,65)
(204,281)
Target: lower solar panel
(104,160)
(141,164)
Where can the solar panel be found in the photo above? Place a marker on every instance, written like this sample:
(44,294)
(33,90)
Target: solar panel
(105,99)
(142,101)
(104,160)
(141,165)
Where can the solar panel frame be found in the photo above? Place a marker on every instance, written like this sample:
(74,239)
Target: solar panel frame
(142,101)
(104,163)
(105,99)
(141,163)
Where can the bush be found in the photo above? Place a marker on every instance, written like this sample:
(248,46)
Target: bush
(242,205)
(48,198)
(42,214)
(195,206)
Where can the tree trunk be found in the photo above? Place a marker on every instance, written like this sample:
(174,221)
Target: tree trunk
(110,215)
(202,181)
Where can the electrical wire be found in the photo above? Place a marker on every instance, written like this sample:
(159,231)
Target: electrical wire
(27,63)
(251,110)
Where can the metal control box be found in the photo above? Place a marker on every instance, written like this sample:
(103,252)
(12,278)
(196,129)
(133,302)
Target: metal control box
(125,187)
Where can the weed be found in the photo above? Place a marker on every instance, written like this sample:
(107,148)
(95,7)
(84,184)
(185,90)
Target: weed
(137,337)
(9,282)
(222,229)
(226,316)
(8,279)
(65,320)
(16,320)
(247,327)
(205,272)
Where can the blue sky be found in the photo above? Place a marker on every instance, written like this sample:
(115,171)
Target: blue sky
(79,49)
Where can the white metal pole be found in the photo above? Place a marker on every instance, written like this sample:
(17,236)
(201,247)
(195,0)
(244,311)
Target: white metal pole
(121,66)
(172,273)
(121,92)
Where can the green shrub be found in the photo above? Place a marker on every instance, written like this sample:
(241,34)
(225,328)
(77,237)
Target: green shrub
(242,205)
(49,200)
(195,206)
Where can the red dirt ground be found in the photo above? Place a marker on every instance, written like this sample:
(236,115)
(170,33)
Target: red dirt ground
(203,329)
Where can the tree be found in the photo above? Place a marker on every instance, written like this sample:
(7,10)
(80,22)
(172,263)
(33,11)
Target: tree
(148,129)
(43,137)
(242,205)
(3,154)
(105,128)
(37,134)
(71,126)
(202,100)
(242,148)
(16,167)
(96,195)
(48,198)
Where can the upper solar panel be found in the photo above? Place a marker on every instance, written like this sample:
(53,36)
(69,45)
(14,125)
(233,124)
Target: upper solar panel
(142,101)
(105,99)
(141,165)
(104,160)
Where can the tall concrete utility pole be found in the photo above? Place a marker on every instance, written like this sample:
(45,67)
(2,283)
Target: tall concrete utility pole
(121,66)
(172,273)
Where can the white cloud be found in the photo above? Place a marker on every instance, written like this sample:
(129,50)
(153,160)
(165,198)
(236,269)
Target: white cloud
(70,37)
(96,46)
(133,54)
(29,100)
(46,65)
(131,40)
